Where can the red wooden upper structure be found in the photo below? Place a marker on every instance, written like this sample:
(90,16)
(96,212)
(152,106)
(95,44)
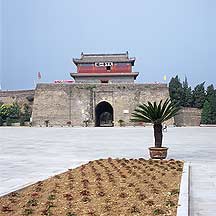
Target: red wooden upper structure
(111,67)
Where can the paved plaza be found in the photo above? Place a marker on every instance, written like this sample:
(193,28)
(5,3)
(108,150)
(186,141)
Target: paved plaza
(31,154)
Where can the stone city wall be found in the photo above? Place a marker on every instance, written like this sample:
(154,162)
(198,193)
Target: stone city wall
(63,103)
(188,117)
(21,97)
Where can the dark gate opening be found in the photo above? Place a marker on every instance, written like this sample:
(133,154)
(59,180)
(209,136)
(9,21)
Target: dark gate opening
(104,115)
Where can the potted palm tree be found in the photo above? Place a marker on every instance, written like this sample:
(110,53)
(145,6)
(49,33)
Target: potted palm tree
(156,114)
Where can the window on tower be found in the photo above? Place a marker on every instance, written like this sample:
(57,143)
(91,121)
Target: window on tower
(108,68)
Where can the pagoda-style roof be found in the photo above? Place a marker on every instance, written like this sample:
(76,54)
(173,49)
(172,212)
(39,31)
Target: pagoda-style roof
(94,58)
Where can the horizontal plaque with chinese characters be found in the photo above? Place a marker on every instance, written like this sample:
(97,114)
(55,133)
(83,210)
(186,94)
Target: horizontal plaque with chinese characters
(103,64)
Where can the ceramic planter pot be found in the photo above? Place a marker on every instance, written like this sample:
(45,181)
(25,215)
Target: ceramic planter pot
(158,153)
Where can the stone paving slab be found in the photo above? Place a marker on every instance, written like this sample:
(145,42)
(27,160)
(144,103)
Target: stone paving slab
(203,189)
(31,154)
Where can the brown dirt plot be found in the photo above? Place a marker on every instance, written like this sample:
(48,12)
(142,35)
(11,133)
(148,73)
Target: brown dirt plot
(105,187)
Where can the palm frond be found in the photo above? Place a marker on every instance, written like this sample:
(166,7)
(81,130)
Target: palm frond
(155,113)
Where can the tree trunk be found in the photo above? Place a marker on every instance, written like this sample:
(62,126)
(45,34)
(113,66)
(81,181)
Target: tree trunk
(158,135)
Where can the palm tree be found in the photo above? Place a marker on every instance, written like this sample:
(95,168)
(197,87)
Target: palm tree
(156,114)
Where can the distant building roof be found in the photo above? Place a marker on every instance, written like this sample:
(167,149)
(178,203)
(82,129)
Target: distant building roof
(93,58)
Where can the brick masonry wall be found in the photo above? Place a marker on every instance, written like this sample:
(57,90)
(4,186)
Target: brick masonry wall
(20,97)
(61,103)
(188,117)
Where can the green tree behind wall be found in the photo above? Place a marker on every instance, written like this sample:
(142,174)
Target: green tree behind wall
(199,96)
(176,91)
(205,116)
(187,97)
(208,113)
(209,92)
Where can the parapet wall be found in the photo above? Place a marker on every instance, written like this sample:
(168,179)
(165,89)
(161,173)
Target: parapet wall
(21,97)
(188,117)
(63,103)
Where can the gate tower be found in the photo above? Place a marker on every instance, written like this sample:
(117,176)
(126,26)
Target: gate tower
(104,68)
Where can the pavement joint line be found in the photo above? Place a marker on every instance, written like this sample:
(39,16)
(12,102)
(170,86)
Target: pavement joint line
(184,194)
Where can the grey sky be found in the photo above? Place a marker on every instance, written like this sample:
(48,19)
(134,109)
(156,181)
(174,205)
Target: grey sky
(166,37)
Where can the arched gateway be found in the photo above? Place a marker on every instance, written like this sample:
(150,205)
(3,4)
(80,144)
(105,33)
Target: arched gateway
(98,78)
(103,115)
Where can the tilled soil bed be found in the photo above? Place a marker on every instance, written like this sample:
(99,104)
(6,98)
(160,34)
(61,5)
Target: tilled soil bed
(111,187)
